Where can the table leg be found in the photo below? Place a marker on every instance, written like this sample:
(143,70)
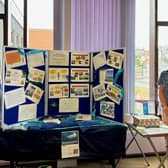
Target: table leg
(130,142)
(134,138)
(156,153)
(166,155)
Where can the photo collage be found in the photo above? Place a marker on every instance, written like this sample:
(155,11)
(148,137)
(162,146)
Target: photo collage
(106,91)
(24,81)
(69,81)
(40,82)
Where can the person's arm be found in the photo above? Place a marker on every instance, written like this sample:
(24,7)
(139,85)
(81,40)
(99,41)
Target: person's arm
(162,96)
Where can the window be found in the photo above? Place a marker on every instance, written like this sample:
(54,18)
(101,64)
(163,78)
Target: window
(1,39)
(142,54)
(15,22)
(162,22)
(40,24)
(1,6)
(162,10)
(162,48)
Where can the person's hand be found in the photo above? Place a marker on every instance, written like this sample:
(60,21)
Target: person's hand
(165,115)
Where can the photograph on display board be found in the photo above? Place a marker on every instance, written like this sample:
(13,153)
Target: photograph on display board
(15,77)
(14,59)
(113,93)
(33,93)
(99,60)
(59,58)
(115,59)
(36,75)
(80,59)
(80,74)
(79,90)
(58,90)
(107,109)
(58,74)
(106,76)
(99,92)
(35,59)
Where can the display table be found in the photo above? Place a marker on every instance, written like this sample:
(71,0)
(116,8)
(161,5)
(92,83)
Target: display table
(97,139)
(148,133)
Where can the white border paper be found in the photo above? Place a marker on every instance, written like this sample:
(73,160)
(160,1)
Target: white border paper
(68,105)
(27,112)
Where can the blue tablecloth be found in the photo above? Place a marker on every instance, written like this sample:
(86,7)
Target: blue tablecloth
(97,138)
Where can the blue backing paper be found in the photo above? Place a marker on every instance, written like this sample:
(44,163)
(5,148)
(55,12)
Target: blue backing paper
(84,102)
(11,115)
(118,81)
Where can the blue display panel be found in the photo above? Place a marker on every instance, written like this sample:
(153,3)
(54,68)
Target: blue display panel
(108,90)
(37,83)
(23,84)
(69,83)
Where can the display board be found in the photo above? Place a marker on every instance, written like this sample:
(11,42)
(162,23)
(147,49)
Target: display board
(69,83)
(23,84)
(38,83)
(108,92)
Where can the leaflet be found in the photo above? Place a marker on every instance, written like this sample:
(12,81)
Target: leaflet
(36,75)
(14,59)
(35,59)
(58,90)
(67,105)
(70,144)
(99,60)
(15,77)
(106,76)
(80,74)
(14,97)
(80,59)
(79,90)
(115,59)
(60,58)
(27,112)
(99,92)
(58,74)
(114,93)
(107,109)
(33,93)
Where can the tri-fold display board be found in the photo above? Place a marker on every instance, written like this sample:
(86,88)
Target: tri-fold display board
(39,83)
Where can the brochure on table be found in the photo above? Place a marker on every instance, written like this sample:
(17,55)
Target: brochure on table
(38,83)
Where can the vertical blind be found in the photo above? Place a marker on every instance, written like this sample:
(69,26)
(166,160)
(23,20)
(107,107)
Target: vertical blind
(95,24)
(104,24)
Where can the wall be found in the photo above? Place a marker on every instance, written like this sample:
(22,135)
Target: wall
(41,39)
